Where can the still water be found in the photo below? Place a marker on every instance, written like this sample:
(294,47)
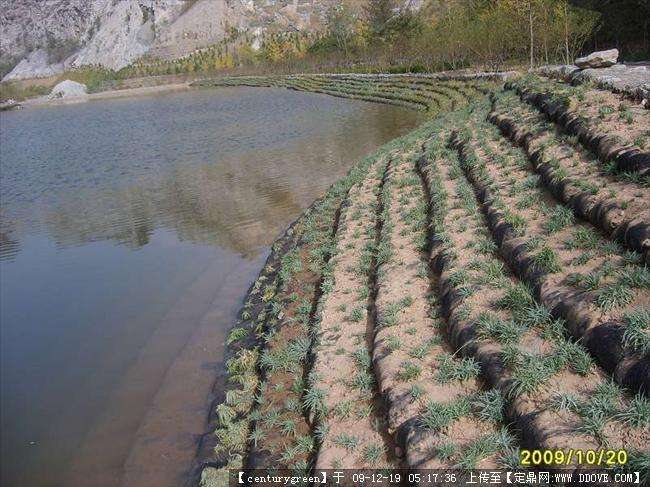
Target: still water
(129,232)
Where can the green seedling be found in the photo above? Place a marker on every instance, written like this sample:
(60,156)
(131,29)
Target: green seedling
(408,372)
(637,332)
(437,416)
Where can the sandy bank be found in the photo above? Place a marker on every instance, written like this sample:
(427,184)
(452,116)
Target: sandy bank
(105,95)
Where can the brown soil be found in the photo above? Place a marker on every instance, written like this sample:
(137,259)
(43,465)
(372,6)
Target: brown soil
(558,429)
(350,434)
(463,296)
(417,328)
(507,176)
(628,121)
(605,111)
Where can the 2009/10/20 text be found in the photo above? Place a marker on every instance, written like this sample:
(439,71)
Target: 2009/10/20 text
(608,458)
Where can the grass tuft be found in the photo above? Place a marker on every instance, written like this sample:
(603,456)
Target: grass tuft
(637,414)
(451,369)
(437,416)
(408,372)
(637,332)
(489,405)
(373,453)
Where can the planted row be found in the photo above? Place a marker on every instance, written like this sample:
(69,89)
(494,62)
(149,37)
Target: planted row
(522,351)
(341,396)
(438,408)
(618,204)
(410,92)
(610,127)
(589,281)
(261,421)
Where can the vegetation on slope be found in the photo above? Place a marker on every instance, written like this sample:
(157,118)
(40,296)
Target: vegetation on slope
(380,37)
(442,35)
(462,306)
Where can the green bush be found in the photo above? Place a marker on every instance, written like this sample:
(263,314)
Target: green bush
(14,90)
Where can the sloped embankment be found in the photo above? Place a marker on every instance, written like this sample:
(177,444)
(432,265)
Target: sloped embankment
(475,288)
(433,93)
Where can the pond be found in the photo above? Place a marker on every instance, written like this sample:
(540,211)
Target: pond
(130,230)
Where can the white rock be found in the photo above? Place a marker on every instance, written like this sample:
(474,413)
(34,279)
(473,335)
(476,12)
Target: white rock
(68,89)
(598,59)
(36,65)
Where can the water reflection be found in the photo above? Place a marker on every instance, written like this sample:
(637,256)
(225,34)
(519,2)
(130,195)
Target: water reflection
(129,230)
(232,184)
(9,246)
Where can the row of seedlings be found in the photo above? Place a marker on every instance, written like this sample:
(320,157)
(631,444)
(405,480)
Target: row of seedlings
(281,434)
(341,387)
(601,290)
(438,409)
(252,81)
(396,89)
(414,93)
(555,396)
(367,93)
(434,94)
(263,423)
(445,90)
(601,410)
(617,203)
(229,420)
(446,93)
(613,128)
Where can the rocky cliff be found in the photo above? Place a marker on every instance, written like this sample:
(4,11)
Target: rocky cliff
(45,37)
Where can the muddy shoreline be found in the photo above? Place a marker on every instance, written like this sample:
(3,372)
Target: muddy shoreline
(44,101)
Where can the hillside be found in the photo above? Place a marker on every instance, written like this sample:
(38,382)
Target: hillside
(474,290)
(44,38)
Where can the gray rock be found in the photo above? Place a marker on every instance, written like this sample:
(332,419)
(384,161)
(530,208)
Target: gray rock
(68,89)
(633,80)
(36,65)
(598,59)
(9,104)
(561,71)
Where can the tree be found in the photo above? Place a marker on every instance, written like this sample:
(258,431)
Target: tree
(340,25)
(379,14)
(577,25)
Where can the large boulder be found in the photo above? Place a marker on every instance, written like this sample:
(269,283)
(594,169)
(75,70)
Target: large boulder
(68,89)
(598,59)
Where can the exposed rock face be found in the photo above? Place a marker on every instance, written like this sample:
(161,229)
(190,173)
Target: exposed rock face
(73,33)
(68,89)
(54,34)
(205,23)
(36,65)
(26,25)
(125,31)
(598,59)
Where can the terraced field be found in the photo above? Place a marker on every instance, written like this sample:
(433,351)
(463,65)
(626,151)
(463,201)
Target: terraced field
(475,288)
(416,92)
